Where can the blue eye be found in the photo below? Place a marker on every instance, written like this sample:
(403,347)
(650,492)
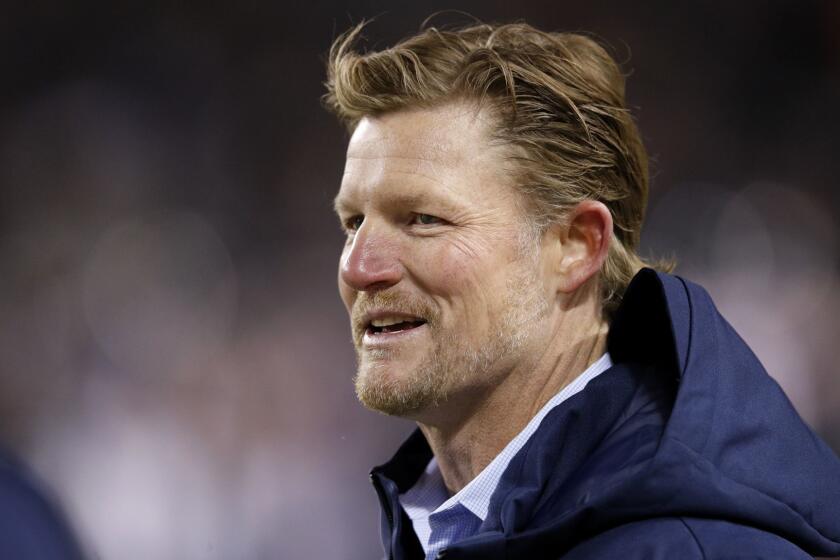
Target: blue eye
(427,219)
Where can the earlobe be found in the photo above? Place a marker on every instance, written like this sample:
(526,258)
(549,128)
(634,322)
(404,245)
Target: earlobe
(586,237)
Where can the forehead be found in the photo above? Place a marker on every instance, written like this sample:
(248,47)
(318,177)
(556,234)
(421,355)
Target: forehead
(446,133)
(447,146)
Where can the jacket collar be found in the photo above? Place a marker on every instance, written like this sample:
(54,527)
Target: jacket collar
(673,403)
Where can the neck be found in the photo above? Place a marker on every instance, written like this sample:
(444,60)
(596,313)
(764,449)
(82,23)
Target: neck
(465,442)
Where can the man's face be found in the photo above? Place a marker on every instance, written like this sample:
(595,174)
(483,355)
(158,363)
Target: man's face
(441,273)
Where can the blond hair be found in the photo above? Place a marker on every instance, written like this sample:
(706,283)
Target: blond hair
(559,99)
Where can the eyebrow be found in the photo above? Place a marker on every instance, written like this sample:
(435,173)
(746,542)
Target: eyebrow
(340,204)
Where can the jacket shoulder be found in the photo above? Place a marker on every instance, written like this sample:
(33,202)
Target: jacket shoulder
(31,526)
(686,538)
(726,540)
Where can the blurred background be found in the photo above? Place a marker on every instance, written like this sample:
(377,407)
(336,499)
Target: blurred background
(174,359)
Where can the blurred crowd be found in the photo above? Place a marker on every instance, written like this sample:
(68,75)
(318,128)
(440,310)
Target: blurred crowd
(174,360)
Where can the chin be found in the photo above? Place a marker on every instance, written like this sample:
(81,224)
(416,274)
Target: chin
(397,390)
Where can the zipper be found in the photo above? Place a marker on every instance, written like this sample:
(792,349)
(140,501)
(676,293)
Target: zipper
(386,507)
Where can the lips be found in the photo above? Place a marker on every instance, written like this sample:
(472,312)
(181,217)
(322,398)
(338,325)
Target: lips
(392,324)
(388,325)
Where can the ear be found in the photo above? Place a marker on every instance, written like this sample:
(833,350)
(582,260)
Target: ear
(584,241)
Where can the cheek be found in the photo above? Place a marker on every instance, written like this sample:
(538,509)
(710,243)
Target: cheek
(466,259)
(468,281)
(453,268)
(348,295)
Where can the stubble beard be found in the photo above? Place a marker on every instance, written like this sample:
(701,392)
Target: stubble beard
(452,364)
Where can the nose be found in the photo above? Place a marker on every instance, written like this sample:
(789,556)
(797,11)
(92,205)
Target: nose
(370,262)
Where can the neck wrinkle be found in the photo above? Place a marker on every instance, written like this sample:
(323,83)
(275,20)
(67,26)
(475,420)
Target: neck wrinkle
(491,421)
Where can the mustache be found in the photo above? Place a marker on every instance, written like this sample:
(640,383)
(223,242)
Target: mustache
(401,302)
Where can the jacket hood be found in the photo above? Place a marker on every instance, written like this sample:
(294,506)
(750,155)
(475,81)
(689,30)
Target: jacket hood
(687,423)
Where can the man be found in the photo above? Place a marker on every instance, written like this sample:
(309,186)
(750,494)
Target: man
(493,195)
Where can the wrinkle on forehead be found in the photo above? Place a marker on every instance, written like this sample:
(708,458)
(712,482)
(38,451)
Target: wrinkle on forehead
(431,170)
(449,146)
(427,140)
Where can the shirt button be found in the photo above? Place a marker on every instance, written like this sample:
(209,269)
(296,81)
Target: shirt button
(441,554)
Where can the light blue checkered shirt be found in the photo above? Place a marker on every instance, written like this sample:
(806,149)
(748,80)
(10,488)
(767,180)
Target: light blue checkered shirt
(440,520)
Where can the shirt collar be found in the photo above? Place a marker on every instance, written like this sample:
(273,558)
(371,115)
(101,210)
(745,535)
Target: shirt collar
(424,498)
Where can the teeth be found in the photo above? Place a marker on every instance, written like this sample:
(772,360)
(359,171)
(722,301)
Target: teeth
(388,321)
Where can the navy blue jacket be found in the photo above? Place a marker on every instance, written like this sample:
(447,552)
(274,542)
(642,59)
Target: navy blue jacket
(685,449)
(31,526)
